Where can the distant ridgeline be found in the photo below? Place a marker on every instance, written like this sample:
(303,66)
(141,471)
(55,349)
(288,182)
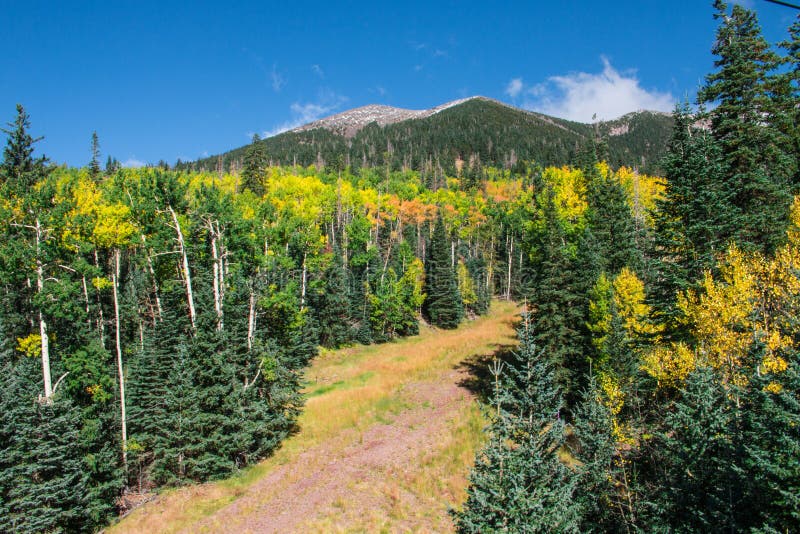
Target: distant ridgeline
(477,131)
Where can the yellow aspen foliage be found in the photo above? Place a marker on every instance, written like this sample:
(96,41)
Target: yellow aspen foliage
(569,187)
(600,311)
(414,277)
(466,286)
(642,191)
(669,365)
(30,345)
(614,399)
(754,300)
(95,219)
(629,298)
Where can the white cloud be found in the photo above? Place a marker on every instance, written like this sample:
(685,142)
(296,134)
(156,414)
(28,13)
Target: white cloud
(278,81)
(318,71)
(302,113)
(514,87)
(583,96)
(133,163)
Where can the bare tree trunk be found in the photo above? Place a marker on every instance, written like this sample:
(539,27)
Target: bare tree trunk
(153,274)
(251,320)
(120,371)
(100,319)
(48,383)
(187,275)
(303,291)
(510,260)
(217,274)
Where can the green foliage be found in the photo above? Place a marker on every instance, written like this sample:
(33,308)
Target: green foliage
(255,161)
(442,306)
(461,133)
(518,483)
(758,163)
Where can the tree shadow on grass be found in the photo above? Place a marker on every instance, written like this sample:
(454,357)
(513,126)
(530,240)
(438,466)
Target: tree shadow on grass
(479,378)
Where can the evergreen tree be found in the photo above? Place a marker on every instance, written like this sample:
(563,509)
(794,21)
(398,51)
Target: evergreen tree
(442,305)
(559,306)
(703,489)
(595,448)
(611,224)
(94,164)
(332,303)
(518,483)
(758,166)
(19,168)
(44,484)
(771,441)
(696,216)
(255,161)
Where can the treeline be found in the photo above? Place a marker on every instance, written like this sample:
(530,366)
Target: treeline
(465,138)
(657,383)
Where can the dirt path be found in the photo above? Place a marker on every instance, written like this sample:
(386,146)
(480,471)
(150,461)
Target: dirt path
(385,444)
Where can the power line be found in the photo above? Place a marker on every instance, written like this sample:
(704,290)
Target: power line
(781,3)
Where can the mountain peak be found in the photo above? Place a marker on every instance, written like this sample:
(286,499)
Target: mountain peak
(350,122)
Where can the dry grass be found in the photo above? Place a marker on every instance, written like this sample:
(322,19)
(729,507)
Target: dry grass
(352,391)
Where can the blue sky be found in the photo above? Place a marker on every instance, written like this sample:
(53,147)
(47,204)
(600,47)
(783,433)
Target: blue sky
(167,80)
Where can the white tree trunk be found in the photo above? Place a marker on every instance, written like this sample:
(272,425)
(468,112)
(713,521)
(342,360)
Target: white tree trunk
(251,320)
(155,280)
(217,273)
(120,371)
(48,382)
(187,275)
(510,260)
(303,291)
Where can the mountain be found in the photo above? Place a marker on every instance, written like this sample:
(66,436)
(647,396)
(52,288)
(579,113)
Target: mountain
(477,130)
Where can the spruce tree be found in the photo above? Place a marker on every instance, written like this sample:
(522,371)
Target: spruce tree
(442,306)
(559,305)
(758,165)
(255,161)
(771,442)
(696,217)
(702,489)
(331,303)
(44,483)
(19,168)
(518,483)
(612,227)
(94,164)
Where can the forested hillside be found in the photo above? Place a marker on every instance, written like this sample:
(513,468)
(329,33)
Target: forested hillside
(463,139)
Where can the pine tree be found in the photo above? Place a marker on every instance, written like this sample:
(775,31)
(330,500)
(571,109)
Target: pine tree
(442,305)
(696,217)
(703,489)
(518,483)
(757,165)
(255,161)
(559,305)
(94,164)
(771,440)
